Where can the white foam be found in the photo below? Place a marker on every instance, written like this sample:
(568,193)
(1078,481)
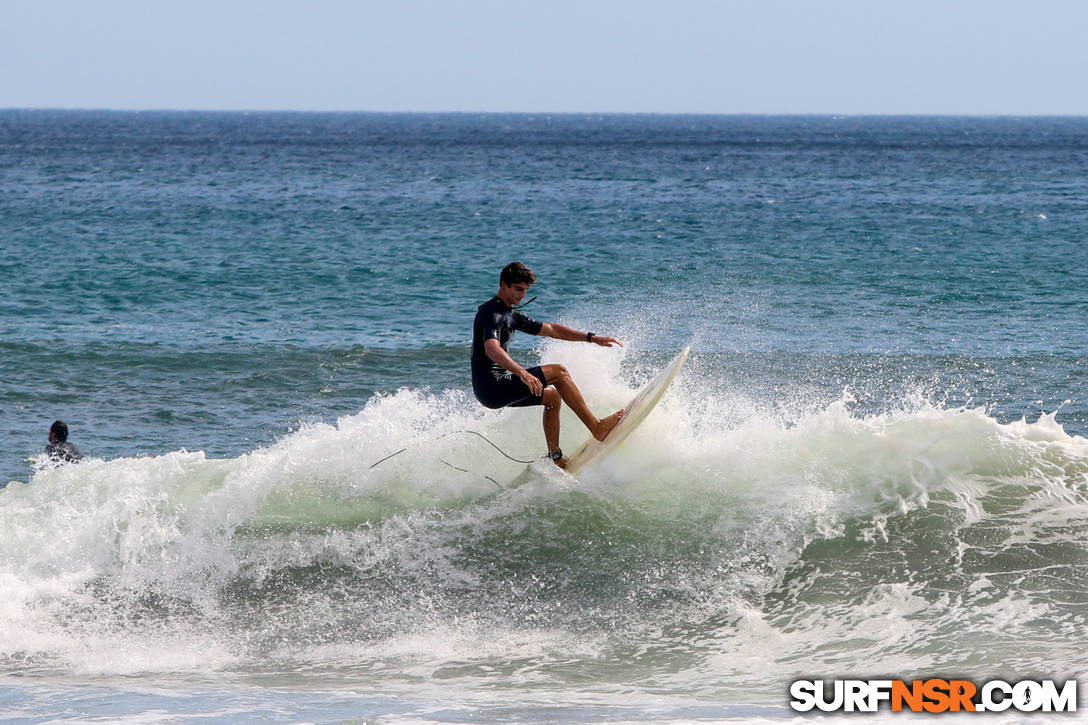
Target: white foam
(759,482)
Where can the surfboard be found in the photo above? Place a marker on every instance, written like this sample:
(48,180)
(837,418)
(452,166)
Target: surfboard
(593,450)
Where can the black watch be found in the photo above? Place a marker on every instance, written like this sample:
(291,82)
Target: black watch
(556,454)
(589,337)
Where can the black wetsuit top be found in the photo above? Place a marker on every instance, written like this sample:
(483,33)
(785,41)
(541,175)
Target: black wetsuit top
(63,452)
(495,386)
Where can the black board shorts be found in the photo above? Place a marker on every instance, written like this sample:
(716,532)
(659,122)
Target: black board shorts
(507,391)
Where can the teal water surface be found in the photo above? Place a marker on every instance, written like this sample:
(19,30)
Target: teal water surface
(873,463)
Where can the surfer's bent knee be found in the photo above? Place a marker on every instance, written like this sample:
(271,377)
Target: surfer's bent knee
(556,373)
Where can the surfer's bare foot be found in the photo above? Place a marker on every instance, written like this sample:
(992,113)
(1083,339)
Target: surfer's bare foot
(605,425)
(562,463)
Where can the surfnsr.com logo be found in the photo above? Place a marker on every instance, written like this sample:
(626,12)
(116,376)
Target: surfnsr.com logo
(933,695)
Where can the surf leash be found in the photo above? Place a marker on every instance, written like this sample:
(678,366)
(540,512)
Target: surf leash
(465,470)
(481,435)
(456,468)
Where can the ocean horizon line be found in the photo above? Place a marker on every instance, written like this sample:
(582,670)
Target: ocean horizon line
(567,113)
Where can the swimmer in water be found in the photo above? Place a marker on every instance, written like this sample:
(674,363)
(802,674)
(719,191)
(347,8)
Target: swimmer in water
(59,450)
(498,381)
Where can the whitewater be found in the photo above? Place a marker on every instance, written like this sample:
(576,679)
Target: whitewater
(725,548)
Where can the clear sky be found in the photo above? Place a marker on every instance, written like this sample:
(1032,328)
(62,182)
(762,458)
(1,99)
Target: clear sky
(1026,57)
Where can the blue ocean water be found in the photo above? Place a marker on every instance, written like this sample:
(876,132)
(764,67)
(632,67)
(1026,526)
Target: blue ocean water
(873,463)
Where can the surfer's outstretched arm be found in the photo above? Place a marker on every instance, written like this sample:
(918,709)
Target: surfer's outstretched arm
(562,332)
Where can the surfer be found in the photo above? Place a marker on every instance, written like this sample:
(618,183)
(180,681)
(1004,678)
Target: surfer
(499,382)
(59,450)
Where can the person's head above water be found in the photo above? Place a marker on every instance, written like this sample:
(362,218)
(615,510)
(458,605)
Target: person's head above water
(514,281)
(58,432)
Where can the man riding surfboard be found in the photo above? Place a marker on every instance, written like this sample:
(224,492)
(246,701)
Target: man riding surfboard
(498,381)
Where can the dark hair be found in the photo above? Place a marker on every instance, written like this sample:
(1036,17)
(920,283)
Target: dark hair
(516,272)
(60,430)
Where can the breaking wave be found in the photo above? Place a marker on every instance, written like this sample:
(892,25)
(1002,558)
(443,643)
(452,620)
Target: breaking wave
(725,545)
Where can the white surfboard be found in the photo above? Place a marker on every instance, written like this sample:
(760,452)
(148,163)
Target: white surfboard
(593,450)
